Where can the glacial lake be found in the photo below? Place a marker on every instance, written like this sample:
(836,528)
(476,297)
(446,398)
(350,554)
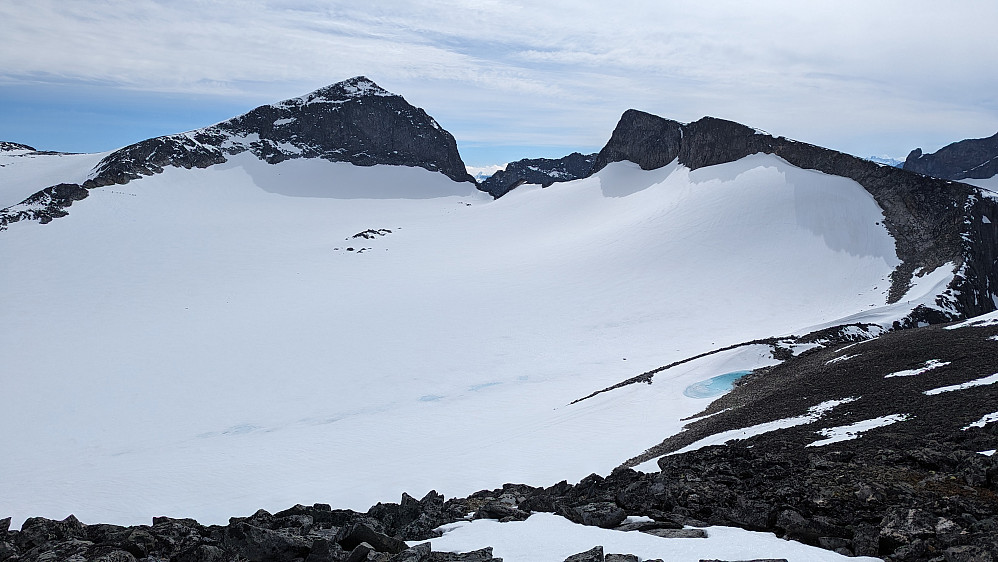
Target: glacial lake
(714,386)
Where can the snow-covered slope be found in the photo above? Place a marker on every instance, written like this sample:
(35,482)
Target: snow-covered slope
(206,342)
(25,172)
(990,184)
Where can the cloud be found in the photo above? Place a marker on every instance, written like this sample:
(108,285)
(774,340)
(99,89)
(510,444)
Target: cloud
(551,72)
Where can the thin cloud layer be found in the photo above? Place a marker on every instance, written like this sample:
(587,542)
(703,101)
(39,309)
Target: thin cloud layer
(864,78)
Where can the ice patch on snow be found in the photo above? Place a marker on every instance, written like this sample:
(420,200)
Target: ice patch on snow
(546,536)
(990,379)
(929,365)
(853,430)
(714,386)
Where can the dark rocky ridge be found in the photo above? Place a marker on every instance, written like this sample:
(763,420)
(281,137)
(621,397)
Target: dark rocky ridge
(7,146)
(541,171)
(352,121)
(966,159)
(933,221)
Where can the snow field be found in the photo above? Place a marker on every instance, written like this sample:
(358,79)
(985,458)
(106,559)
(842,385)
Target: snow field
(200,343)
(23,173)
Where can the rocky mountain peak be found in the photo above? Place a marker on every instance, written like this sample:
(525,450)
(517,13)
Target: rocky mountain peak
(353,121)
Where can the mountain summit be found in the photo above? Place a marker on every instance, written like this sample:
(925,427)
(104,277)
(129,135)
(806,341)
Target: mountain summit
(353,121)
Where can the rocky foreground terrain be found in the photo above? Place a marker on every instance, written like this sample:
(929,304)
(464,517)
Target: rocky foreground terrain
(925,488)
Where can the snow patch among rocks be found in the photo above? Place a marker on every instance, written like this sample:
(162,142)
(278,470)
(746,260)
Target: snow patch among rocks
(814,414)
(853,430)
(985,420)
(549,537)
(929,365)
(840,359)
(990,379)
(984,320)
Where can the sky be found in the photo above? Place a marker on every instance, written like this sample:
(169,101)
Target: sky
(509,79)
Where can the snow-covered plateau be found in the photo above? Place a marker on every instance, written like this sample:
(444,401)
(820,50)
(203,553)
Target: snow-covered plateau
(207,342)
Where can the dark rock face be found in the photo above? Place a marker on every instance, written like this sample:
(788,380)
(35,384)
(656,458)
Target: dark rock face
(645,139)
(927,217)
(541,171)
(352,121)
(966,159)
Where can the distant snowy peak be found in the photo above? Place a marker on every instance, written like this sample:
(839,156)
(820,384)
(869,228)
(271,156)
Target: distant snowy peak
(886,161)
(541,171)
(482,173)
(933,222)
(7,146)
(966,159)
(353,121)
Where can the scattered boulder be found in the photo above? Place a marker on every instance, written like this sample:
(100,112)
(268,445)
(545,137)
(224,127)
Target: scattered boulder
(621,558)
(598,514)
(482,555)
(417,553)
(350,537)
(594,554)
(257,543)
(677,533)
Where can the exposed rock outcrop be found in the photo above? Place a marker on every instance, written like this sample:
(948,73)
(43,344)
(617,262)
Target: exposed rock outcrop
(353,121)
(7,146)
(966,159)
(540,171)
